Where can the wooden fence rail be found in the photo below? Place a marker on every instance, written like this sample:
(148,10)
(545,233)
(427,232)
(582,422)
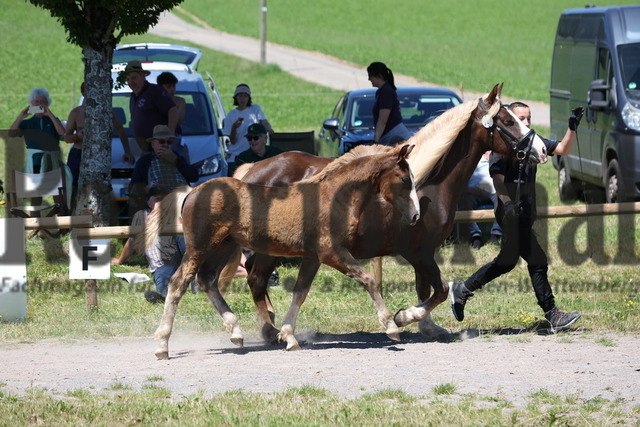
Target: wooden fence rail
(484,215)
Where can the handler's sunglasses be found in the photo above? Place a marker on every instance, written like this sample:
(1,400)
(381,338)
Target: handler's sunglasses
(253,138)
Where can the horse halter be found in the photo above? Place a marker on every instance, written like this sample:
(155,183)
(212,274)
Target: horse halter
(521,146)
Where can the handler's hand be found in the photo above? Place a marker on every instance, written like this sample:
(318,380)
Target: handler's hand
(511,211)
(575,118)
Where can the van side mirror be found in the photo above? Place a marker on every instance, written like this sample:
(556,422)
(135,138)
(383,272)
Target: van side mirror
(597,98)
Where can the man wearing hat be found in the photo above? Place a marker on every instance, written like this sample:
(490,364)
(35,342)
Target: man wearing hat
(149,104)
(161,167)
(258,148)
(238,121)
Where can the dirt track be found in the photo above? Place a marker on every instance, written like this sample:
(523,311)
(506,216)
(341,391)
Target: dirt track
(349,365)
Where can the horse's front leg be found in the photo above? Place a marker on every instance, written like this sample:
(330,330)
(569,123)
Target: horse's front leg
(308,270)
(346,264)
(177,287)
(427,274)
(260,270)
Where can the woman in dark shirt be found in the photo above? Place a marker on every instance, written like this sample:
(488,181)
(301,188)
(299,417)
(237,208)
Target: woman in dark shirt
(389,128)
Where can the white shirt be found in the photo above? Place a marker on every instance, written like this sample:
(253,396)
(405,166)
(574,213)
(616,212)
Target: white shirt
(252,114)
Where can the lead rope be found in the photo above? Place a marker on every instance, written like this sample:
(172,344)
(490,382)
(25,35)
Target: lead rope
(584,192)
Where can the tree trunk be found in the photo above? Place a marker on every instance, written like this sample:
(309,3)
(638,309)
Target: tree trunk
(94,185)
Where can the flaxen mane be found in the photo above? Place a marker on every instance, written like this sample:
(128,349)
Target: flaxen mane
(357,152)
(433,141)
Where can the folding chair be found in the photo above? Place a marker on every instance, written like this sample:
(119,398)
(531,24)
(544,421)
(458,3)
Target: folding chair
(300,141)
(35,186)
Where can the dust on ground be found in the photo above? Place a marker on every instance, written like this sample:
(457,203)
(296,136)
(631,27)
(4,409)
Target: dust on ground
(508,365)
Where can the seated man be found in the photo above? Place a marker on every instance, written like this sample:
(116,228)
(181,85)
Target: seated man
(164,257)
(161,167)
(258,148)
(480,191)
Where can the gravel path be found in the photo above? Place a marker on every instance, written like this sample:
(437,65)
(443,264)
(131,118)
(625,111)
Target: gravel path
(349,365)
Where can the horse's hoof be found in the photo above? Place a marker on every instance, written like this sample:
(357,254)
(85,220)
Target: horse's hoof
(394,336)
(162,355)
(400,318)
(269,334)
(293,347)
(239,341)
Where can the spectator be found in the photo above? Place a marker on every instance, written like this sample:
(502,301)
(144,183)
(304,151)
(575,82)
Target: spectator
(168,81)
(257,137)
(150,105)
(258,148)
(164,256)
(480,192)
(161,167)
(238,121)
(514,181)
(74,134)
(41,131)
(389,128)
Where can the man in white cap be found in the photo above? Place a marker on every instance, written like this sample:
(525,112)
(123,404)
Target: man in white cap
(238,121)
(150,105)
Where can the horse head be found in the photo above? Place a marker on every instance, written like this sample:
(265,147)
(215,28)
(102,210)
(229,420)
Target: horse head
(507,135)
(397,185)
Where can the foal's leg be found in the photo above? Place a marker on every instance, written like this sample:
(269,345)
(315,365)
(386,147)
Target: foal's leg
(209,274)
(346,264)
(427,274)
(261,268)
(177,287)
(308,270)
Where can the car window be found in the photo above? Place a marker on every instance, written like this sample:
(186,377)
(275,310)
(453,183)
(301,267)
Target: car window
(339,110)
(419,110)
(362,113)
(197,119)
(153,55)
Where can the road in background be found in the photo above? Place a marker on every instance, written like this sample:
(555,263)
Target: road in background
(313,67)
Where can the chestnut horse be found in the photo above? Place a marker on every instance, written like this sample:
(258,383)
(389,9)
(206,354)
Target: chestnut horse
(455,140)
(316,219)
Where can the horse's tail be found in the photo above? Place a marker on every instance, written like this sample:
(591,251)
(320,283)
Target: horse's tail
(167,211)
(229,271)
(242,170)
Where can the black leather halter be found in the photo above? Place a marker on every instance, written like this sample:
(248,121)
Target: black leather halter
(520,146)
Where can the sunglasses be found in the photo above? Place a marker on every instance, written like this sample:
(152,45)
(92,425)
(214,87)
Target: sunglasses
(164,141)
(253,138)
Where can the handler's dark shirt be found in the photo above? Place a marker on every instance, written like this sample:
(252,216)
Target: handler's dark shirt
(511,171)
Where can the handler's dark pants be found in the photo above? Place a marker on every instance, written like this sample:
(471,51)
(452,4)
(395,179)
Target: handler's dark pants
(518,240)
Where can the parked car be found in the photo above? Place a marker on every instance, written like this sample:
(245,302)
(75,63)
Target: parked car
(351,122)
(596,64)
(201,141)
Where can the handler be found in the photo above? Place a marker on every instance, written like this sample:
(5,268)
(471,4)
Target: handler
(514,181)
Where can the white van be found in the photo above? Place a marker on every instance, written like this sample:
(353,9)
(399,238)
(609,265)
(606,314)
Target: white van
(596,64)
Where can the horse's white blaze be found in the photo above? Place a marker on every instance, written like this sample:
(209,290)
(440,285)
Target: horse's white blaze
(414,193)
(538,149)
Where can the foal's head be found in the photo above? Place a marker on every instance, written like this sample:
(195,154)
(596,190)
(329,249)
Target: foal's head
(505,133)
(397,186)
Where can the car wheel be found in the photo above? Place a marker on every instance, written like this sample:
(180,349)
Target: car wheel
(613,183)
(568,188)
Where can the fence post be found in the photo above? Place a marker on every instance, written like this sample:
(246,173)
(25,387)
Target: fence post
(91,294)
